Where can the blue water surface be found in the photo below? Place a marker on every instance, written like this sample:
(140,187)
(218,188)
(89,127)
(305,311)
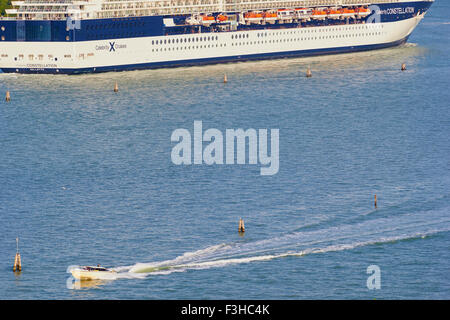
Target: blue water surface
(86,178)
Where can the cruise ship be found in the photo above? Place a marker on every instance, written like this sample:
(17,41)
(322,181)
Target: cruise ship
(85,36)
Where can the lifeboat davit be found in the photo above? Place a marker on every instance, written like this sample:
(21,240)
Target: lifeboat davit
(303,13)
(285,14)
(192,20)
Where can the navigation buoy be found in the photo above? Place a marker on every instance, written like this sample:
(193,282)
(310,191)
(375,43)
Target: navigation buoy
(17,263)
(241,226)
(375,203)
(7,97)
(116,87)
(403,67)
(308,73)
(225,80)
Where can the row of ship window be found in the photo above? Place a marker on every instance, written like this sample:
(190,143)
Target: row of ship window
(264,34)
(114,35)
(37,57)
(257,42)
(261,42)
(189,47)
(132,25)
(50,57)
(314,38)
(178,40)
(115,25)
(315,30)
(324,37)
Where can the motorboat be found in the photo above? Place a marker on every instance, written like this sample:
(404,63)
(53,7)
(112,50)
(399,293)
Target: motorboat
(92,273)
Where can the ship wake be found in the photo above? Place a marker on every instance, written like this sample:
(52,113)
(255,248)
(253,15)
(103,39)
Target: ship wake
(298,244)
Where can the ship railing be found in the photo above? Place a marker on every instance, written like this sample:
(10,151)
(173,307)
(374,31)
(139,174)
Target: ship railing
(53,10)
(47,2)
(157,7)
(232,5)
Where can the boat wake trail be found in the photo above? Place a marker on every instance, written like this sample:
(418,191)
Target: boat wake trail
(300,243)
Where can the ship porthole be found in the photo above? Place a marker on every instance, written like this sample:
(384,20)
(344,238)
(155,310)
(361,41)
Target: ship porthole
(3,38)
(67,38)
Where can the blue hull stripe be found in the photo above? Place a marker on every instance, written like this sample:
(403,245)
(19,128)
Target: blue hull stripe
(191,62)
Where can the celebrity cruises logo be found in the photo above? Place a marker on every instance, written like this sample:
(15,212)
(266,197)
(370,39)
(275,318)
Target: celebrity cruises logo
(235,146)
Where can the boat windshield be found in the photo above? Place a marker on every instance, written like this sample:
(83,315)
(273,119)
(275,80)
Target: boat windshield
(95,269)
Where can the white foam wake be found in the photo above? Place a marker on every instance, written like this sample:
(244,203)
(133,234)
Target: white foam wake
(335,238)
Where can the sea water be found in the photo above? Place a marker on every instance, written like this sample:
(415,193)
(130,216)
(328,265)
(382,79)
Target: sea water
(86,178)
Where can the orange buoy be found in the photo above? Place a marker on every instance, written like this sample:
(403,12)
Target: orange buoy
(17,263)
(225,80)
(403,67)
(241,226)
(308,73)
(375,203)
(116,87)
(7,96)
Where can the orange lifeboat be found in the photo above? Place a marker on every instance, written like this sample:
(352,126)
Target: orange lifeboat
(270,17)
(363,12)
(319,14)
(253,17)
(222,18)
(207,20)
(333,13)
(348,13)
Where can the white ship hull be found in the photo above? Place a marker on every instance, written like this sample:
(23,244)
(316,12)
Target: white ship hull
(178,50)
